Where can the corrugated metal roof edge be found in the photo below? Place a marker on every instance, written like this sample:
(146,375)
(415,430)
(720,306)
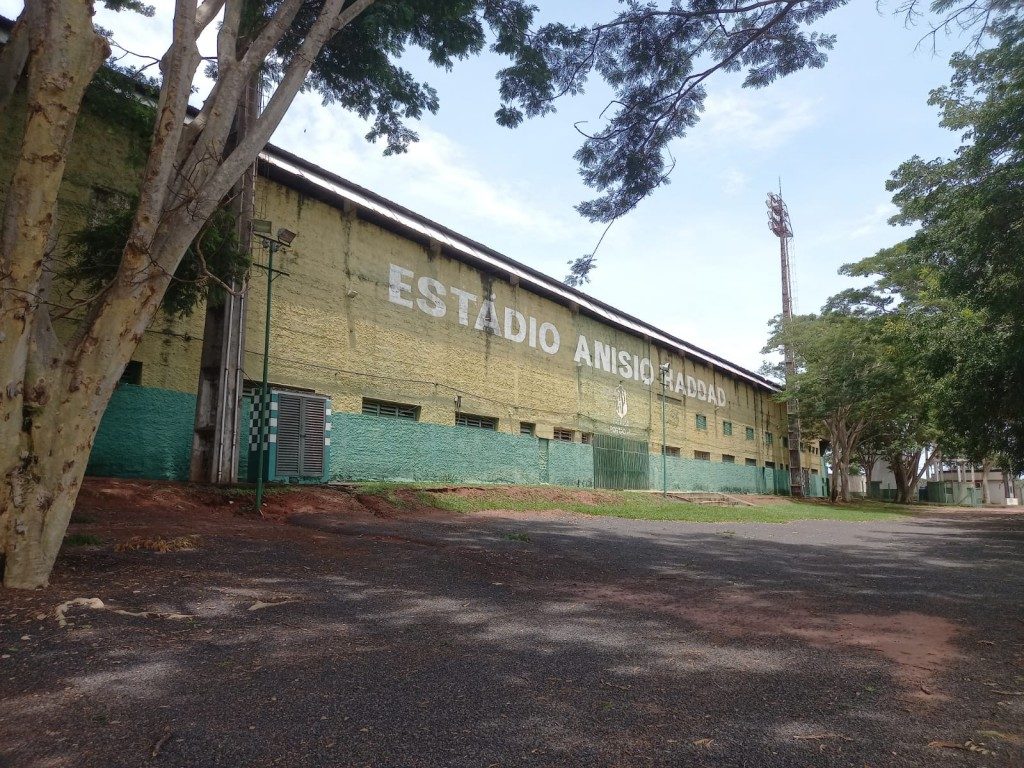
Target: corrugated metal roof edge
(475,251)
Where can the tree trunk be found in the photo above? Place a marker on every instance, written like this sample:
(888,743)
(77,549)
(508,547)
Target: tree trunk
(907,469)
(64,53)
(49,480)
(985,467)
(869,470)
(52,398)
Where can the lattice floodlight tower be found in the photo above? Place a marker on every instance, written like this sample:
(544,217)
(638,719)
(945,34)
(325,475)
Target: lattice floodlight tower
(782,227)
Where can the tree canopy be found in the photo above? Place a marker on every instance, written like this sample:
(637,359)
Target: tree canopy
(959,277)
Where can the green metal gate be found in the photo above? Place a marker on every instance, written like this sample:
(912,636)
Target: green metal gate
(621,463)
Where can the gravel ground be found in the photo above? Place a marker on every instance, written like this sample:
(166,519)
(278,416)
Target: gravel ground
(398,638)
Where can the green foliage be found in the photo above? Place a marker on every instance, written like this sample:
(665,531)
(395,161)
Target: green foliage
(959,279)
(117,95)
(94,253)
(656,58)
(130,5)
(359,70)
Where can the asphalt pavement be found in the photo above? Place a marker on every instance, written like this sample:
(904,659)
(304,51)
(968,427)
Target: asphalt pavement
(552,640)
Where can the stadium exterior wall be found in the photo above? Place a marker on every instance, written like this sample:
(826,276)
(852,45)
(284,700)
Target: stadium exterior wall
(382,305)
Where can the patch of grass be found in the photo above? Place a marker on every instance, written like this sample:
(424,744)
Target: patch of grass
(249,491)
(517,537)
(386,491)
(652,506)
(158,544)
(82,540)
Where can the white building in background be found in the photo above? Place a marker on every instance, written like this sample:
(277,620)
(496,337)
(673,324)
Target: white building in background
(960,478)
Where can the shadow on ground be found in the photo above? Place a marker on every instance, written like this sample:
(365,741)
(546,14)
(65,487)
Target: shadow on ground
(440,640)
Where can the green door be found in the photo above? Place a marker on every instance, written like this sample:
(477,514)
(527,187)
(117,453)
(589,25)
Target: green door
(621,463)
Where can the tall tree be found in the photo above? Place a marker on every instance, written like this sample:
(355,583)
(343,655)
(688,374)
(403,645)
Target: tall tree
(54,390)
(840,367)
(959,279)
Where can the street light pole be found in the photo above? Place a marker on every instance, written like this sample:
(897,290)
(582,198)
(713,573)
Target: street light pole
(264,389)
(284,238)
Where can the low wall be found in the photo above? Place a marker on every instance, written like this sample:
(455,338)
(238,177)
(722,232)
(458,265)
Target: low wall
(696,475)
(375,448)
(147,432)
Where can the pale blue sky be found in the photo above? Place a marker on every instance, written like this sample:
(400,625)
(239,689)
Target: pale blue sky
(697,258)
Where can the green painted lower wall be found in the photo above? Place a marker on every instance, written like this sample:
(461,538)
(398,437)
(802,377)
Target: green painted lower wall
(570,464)
(696,475)
(375,448)
(145,432)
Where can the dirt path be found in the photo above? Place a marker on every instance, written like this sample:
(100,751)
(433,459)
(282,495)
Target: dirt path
(345,631)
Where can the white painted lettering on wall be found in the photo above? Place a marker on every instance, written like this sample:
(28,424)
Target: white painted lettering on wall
(482,314)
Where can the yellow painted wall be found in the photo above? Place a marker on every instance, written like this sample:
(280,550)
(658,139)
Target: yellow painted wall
(336,331)
(101,163)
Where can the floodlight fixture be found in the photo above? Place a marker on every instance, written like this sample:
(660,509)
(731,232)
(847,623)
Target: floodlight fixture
(285,236)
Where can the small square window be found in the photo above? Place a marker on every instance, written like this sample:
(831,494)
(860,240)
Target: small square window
(727,459)
(750,462)
(770,464)
(390,410)
(132,373)
(702,421)
(702,455)
(527,428)
(586,438)
(479,422)
(750,433)
(670,450)
(727,428)
(565,435)
(785,442)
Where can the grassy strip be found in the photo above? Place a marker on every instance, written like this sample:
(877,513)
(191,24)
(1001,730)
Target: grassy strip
(82,540)
(651,506)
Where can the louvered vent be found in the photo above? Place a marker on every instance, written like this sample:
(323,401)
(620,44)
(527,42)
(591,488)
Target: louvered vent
(314,422)
(289,433)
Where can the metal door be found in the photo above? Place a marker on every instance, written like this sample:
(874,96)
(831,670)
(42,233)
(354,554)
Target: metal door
(621,463)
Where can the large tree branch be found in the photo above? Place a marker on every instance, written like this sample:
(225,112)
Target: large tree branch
(208,132)
(15,53)
(207,12)
(328,24)
(179,68)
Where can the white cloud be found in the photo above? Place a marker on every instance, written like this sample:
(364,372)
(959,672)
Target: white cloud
(734,181)
(752,120)
(437,176)
(870,225)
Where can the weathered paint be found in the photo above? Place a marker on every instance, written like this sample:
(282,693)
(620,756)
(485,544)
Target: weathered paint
(348,324)
(145,432)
